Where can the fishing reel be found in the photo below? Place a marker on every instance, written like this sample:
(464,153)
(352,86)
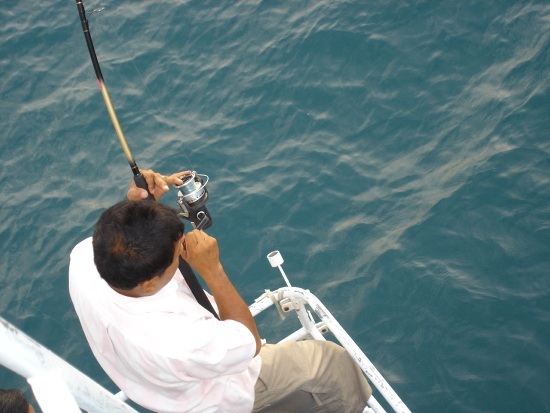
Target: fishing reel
(192,197)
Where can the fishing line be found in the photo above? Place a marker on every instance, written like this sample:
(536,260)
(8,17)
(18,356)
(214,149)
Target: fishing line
(129,57)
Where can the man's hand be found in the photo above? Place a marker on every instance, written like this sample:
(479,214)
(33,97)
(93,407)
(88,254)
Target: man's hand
(158,184)
(202,253)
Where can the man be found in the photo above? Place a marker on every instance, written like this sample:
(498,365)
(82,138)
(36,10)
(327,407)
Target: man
(167,352)
(14,401)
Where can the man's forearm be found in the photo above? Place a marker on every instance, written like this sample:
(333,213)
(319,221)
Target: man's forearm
(231,306)
(201,251)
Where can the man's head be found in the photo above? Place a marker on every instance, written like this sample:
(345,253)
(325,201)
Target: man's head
(134,242)
(14,401)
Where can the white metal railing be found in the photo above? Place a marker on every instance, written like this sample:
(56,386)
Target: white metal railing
(57,386)
(292,299)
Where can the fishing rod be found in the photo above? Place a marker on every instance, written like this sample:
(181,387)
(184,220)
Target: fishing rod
(138,177)
(192,194)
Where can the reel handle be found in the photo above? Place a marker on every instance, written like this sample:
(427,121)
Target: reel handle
(205,222)
(140,183)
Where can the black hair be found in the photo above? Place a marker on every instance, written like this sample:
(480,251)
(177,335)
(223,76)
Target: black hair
(134,241)
(13,401)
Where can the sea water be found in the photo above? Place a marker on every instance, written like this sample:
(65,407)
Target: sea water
(396,153)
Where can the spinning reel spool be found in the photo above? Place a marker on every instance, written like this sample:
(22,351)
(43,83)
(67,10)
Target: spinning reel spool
(192,197)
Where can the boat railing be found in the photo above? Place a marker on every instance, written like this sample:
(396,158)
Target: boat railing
(302,302)
(56,385)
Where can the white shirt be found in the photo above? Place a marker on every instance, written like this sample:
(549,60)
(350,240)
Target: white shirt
(165,351)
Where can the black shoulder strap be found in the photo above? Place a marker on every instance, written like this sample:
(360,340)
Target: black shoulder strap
(195,286)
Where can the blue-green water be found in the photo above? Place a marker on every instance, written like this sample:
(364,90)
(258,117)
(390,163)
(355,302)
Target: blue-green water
(397,153)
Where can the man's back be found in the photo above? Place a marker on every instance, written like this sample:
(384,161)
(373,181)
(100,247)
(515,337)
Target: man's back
(165,351)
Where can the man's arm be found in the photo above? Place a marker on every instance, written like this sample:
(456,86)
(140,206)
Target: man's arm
(202,253)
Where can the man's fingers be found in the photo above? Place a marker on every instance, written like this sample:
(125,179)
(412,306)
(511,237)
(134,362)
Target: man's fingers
(157,184)
(136,194)
(176,178)
(160,182)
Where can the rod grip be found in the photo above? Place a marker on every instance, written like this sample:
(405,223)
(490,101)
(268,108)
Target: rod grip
(141,183)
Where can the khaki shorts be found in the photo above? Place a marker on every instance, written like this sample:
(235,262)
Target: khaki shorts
(309,376)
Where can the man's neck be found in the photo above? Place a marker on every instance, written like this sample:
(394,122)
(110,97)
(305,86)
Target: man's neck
(135,292)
